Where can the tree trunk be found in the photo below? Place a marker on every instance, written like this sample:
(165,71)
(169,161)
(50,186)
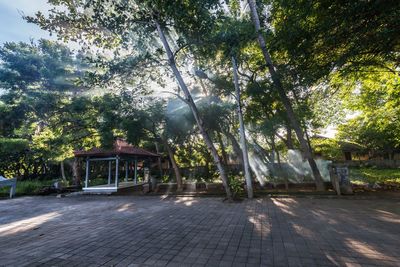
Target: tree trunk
(289,140)
(62,170)
(246,164)
(261,151)
(207,173)
(278,158)
(159,160)
(223,151)
(284,98)
(44,168)
(236,146)
(272,172)
(174,165)
(76,173)
(308,139)
(190,102)
(302,122)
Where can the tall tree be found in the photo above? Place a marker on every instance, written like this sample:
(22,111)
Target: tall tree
(284,98)
(112,24)
(373,97)
(38,82)
(199,121)
(246,164)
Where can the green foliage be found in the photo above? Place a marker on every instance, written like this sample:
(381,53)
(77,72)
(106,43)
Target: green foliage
(13,145)
(228,37)
(316,42)
(236,184)
(31,68)
(317,37)
(322,49)
(165,179)
(40,105)
(193,153)
(327,148)
(28,187)
(375,100)
(14,152)
(372,175)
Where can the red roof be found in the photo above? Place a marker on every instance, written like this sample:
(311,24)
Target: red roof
(121,148)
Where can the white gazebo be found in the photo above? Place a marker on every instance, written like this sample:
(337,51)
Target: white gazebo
(125,156)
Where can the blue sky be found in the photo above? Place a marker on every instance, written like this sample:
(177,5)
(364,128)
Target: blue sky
(13,27)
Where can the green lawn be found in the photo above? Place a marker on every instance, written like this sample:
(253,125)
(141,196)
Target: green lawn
(371,175)
(28,187)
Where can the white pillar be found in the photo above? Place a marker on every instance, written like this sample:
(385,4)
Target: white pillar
(126,171)
(87,173)
(109,172)
(116,171)
(135,172)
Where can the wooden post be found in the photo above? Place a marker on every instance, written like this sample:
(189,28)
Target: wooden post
(109,172)
(116,171)
(76,171)
(87,173)
(135,171)
(126,171)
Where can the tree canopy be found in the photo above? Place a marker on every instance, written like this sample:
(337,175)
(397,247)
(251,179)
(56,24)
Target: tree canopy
(163,74)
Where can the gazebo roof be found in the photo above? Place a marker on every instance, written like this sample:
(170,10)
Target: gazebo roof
(120,148)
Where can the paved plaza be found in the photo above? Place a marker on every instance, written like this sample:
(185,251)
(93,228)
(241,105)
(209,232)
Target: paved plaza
(156,231)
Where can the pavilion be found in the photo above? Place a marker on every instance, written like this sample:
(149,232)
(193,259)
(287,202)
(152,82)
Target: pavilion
(124,154)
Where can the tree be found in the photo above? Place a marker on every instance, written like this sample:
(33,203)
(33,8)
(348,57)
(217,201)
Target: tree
(199,121)
(318,42)
(373,97)
(242,132)
(275,76)
(154,120)
(38,79)
(313,39)
(222,44)
(108,26)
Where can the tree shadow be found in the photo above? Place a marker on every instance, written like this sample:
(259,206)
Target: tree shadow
(154,230)
(327,232)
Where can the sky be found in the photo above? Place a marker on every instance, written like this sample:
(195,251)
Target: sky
(13,27)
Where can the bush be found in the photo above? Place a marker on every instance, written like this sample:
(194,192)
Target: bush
(165,179)
(13,153)
(236,185)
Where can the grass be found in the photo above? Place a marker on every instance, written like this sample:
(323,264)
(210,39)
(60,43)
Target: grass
(372,175)
(357,175)
(28,187)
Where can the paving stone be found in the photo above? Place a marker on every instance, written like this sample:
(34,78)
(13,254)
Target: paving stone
(102,231)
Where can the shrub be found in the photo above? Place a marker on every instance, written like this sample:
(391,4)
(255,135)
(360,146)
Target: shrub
(236,184)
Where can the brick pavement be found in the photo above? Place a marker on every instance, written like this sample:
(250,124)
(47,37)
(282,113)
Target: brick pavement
(150,231)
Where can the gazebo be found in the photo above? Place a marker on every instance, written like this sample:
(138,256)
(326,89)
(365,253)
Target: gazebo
(122,153)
